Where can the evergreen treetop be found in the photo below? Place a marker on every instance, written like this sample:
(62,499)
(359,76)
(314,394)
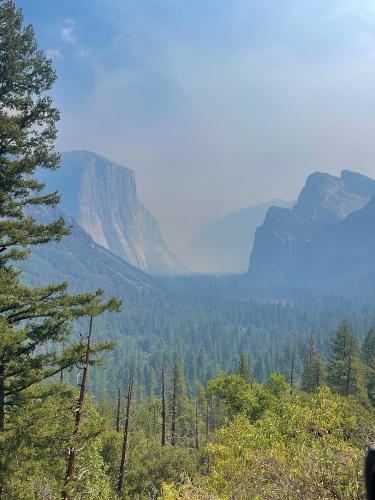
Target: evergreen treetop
(27,135)
(346,369)
(32,320)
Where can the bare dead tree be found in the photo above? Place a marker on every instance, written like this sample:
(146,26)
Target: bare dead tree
(129,397)
(318,374)
(311,354)
(153,420)
(2,398)
(118,410)
(163,412)
(2,420)
(212,414)
(77,410)
(196,425)
(174,407)
(292,373)
(207,418)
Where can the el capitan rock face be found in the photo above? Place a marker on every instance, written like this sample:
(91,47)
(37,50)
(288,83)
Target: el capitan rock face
(101,196)
(329,235)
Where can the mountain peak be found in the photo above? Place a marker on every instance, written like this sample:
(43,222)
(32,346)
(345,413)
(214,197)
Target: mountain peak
(89,156)
(320,223)
(101,196)
(326,198)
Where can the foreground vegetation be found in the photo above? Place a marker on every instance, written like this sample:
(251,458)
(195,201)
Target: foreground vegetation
(236,439)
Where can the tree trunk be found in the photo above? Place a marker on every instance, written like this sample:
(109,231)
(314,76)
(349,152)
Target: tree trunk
(212,415)
(207,419)
(163,412)
(118,411)
(292,374)
(67,495)
(2,399)
(62,369)
(318,368)
(153,421)
(310,365)
(121,477)
(174,409)
(2,422)
(349,372)
(196,425)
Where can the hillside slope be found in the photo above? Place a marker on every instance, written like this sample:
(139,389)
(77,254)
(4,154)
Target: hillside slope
(84,264)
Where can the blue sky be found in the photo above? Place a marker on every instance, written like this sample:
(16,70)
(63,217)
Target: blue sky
(216,104)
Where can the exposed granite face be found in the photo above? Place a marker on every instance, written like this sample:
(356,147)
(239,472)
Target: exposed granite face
(277,240)
(326,199)
(305,244)
(102,198)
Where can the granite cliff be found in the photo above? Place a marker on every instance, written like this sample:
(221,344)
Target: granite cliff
(329,234)
(102,197)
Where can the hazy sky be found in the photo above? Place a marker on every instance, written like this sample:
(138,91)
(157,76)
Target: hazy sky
(216,104)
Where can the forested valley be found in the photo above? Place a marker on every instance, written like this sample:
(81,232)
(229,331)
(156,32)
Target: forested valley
(231,438)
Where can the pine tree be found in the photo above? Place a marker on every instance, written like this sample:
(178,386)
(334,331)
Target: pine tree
(244,368)
(179,406)
(28,131)
(174,406)
(346,370)
(163,410)
(30,317)
(368,353)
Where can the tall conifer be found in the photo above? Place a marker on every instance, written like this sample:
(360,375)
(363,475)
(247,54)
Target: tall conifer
(368,353)
(346,369)
(29,317)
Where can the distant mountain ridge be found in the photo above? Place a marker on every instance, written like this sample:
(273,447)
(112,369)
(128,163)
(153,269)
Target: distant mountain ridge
(101,196)
(225,245)
(328,235)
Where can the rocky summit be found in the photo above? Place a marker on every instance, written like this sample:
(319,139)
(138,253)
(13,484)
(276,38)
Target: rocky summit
(102,197)
(329,234)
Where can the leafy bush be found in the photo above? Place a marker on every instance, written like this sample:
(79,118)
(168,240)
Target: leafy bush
(309,447)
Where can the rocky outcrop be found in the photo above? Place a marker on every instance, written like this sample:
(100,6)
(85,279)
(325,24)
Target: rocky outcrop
(326,199)
(328,235)
(101,196)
